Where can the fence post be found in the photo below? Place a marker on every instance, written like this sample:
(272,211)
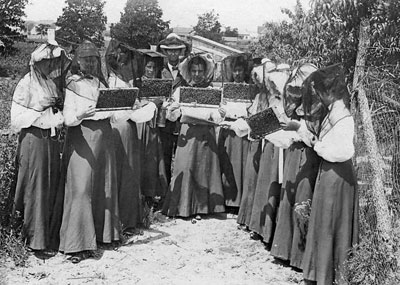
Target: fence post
(377,192)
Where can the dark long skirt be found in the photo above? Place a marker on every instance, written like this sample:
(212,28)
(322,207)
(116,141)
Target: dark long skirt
(232,151)
(169,143)
(91,191)
(300,173)
(196,186)
(128,152)
(267,193)
(38,156)
(333,226)
(250,183)
(154,177)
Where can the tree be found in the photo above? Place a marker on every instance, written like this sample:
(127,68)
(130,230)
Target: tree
(286,41)
(140,25)
(82,20)
(229,32)
(11,23)
(208,26)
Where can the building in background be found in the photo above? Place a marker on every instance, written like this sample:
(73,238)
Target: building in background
(183,32)
(218,50)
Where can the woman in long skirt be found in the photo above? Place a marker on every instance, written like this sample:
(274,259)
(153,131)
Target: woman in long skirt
(333,225)
(266,194)
(254,154)
(232,149)
(91,192)
(154,178)
(35,114)
(268,189)
(127,128)
(299,175)
(196,186)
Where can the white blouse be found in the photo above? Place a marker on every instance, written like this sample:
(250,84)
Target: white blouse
(85,94)
(337,145)
(336,142)
(191,114)
(23,117)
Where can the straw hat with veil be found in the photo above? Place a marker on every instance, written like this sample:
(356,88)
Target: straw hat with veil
(144,56)
(121,63)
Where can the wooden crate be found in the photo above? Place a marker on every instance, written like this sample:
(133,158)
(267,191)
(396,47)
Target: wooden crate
(239,92)
(263,123)
(155,88)
(200,96)
(116,98)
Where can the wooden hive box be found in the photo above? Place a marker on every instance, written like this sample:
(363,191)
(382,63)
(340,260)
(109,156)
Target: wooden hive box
(201,97)
(263,123)
(116,98)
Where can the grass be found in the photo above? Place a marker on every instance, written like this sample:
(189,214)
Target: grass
(11,242)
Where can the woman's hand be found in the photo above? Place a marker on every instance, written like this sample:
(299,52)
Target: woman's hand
(313,140)
(48,101)
(222,111)
(174,106)
(225,125)
(290,125)
(89,112)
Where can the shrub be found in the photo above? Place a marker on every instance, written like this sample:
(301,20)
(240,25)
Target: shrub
(11,242)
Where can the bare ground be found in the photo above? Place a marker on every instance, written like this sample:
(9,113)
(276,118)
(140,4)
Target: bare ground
(172,251)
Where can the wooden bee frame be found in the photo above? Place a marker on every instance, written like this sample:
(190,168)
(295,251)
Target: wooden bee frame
(155,88)
(263,123)
(200,97)
(111,99)
(239,92)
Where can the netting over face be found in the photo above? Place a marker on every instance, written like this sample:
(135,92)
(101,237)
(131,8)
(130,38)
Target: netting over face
(320,90)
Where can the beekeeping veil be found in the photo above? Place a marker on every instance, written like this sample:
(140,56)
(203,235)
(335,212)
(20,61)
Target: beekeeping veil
(292,96)
(44,82)
(146,55)
(87,49)
(120,60)
(230,62)
(209,68)
(322,88)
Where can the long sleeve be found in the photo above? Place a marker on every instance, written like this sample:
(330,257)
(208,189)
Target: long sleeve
(79,96)
(304,134)
(143,114)
(337,145)
(235,110)
(200,115)
(48,119)
(240,127)
(22,117)
(70,110)
(282,139)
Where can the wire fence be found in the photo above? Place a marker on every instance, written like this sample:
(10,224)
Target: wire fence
(382,87)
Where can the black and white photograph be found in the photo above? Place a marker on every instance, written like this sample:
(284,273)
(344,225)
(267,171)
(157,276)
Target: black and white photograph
(178,142)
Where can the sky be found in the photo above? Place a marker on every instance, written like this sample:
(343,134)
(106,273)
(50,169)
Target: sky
(241,14)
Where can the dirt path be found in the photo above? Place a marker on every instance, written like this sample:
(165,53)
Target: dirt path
(211,251)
